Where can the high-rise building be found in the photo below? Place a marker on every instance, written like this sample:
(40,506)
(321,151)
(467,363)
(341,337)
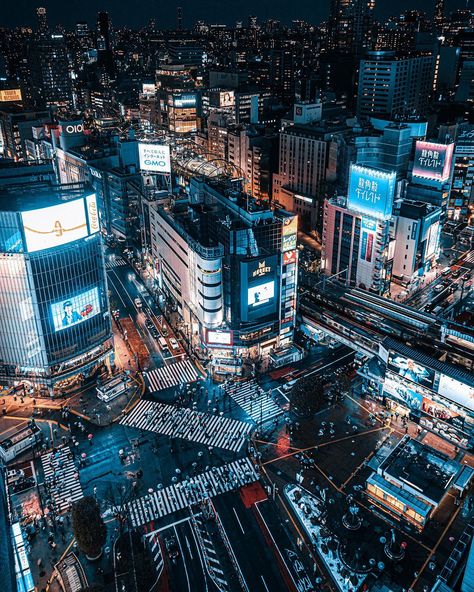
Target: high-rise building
(350,25)
(105,41)
(229,265)
(439,16)
(42,17)
(50,76)
(54,309)
(394,85)
(461,198)
(357,239)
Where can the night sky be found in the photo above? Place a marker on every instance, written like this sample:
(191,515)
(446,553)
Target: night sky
(137,13)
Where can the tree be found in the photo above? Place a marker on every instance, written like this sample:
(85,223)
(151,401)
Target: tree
(88,526)
(307,396)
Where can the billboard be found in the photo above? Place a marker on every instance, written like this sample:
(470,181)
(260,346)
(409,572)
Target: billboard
(75,310)
(185,101)
(290,226)
(433,161)
(408,396)
(154,158)
(456,391)
(226,98)
(289,257)
(261,294)
(12,94)
(371,191)
(432,240)
(442,412)
(219,337)
(92,213)
(367,239)
(411,370)
(53,226)
(258,287)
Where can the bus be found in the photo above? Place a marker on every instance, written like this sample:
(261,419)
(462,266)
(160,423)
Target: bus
(20,441)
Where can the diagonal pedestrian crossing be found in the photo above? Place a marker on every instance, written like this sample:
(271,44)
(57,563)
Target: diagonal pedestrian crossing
(257,404)
(191,491)
(171,375)
(195,426)
(61,478)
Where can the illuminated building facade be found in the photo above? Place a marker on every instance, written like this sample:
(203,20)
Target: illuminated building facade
(54,313)
(229,266)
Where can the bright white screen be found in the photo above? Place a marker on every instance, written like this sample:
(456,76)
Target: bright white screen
(75,310)
(261,294)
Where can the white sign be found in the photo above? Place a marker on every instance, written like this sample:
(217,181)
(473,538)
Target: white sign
(154,158)
(57,225)
(220,337)
(456,391)
(92,213)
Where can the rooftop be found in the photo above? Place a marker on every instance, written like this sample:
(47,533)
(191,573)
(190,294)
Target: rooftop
(420,469)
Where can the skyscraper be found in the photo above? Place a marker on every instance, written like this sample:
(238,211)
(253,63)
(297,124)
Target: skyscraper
(105,41)
(42,20)
(350,25)
(439,15)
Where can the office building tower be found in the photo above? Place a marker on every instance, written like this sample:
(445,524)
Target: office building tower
(356,237)
(439,16)
(104,42)
(16,127)
(54,309)
(461,198)
(306,162)
(229,266)
(50,77)
(42,17)
(391,85)
(417,239)
(350,26)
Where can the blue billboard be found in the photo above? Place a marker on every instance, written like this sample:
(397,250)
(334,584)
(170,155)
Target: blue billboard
(371,191)
(258,281)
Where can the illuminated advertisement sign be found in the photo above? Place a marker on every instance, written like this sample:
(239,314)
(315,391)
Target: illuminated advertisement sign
(258,287)
(289,257)
(226,98)
(411,370)
(432,240)
(53,226)
(13,94)
(261,294)
(399,391)
(371,191)
(288,243)
(367,240)
(184,101)
(290,226)
(456,391)
(219,337)
(92,213)
(75,310)
(69,128)
(442,412)
(433,161)
(154,158)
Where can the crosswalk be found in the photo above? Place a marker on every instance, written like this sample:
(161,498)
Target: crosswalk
(192,491)
(61,478)
(154,543)
(195,426)
(171,375)
(256,403)
(116,262)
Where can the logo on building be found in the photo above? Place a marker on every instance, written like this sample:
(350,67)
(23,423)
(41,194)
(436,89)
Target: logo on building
(262,269)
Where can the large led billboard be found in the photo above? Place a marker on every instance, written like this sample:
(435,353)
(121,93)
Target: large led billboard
(408,396)
(56,225)
(154,158)
(258,287)
(433,161)
(411,370)
(219,337)
(75,310)
(371,191)
(261,294)
(456,391)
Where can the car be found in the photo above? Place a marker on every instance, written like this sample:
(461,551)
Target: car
(457,273)
(174,344)
(438,288)
(23,484)
(149,324)
(446,271)
(172,548)
(138,303)
(164,331)
(155,333)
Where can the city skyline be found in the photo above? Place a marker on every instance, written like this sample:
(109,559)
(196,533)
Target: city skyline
(24,12)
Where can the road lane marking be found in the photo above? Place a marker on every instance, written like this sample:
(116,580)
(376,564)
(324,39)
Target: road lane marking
(238,520)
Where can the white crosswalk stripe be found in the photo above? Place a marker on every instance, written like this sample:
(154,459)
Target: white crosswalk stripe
(153,541)
(258,404)
(192,491)
(171,375)
(61,478)
(111,263)
(195,426)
